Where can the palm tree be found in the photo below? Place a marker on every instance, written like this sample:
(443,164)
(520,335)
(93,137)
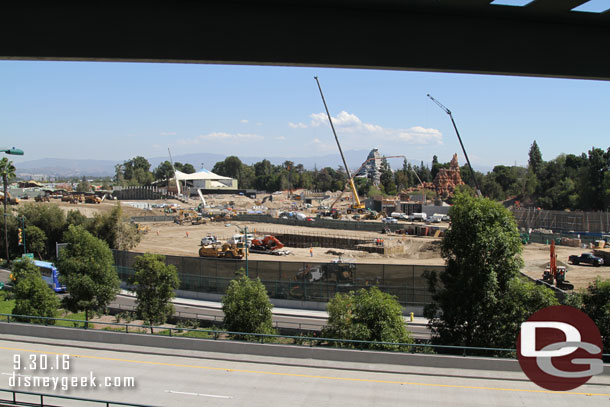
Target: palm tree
(7,171)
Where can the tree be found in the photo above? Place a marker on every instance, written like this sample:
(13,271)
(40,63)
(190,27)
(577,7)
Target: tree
(387,178)
(164,171)
(247,308)
(49,218)
(36,240)
(523,299)
(535,162)
(7,171)
(114,229)
(86,267)
(83,185)
(595,302)
(32,294)
(482,254)
(154,283)
(188,169)
(367,315)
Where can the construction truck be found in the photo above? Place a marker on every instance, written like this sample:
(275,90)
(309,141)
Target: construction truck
(226,250)
(268,245)
(554,274)
(185,216)
(10,200)
(94,199)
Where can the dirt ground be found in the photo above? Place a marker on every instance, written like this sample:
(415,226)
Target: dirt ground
(172,239)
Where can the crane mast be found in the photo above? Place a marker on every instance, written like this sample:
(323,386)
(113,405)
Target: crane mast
(357,204)
(460,140)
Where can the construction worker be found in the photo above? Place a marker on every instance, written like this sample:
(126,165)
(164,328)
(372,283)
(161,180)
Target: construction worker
(311,252)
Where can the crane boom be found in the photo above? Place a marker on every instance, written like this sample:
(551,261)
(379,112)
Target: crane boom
(460,140)
(357,204)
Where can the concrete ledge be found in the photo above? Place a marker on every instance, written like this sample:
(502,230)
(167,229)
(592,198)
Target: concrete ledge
(286,351)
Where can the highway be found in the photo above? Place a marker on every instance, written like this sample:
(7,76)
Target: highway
(233,380)
(282,317)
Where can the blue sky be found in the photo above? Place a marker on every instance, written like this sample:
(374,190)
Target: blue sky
(116,111)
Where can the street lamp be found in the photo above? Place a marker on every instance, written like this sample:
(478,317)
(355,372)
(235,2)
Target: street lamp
(13,151)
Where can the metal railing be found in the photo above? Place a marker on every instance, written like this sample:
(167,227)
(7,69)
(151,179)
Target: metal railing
(15,400)
(271,339)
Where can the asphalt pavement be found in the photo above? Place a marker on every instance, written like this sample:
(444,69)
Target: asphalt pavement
(160,379)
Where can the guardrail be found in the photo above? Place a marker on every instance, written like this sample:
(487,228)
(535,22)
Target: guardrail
(275,339)
(41,400)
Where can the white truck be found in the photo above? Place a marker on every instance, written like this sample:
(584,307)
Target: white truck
(418,216)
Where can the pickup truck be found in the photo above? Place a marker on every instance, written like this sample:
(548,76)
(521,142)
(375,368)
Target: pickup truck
(587,258)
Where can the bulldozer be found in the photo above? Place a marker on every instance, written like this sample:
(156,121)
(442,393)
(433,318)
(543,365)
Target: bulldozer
(188,216)
(94,199)
(226,250)
(42,198)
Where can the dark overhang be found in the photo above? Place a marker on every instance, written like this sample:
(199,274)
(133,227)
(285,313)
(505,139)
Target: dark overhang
(543,38)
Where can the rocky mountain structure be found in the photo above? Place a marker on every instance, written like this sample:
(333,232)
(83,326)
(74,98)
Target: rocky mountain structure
(372,169)
(447,179)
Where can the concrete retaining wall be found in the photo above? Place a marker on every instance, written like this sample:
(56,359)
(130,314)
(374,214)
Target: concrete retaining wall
(284,351)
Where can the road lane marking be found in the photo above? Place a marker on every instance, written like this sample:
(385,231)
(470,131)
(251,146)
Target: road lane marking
(198,394)
(348,379)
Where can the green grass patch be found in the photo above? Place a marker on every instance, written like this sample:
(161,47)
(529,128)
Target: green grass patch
(196,334)
(6,307)
(78,316)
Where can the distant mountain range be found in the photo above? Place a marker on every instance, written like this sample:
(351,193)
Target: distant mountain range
(60,167)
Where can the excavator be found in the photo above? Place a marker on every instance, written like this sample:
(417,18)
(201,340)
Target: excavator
(268,245)
(555,274)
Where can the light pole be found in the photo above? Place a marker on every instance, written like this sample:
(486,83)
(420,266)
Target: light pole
(13,151)
(246,246)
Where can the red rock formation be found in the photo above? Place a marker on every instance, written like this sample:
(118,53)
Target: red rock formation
(447,179)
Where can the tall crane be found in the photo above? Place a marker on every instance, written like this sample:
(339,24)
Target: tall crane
(460,139)
(357,205)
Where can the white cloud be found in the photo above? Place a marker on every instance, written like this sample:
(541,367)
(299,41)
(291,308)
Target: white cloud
(221,137)
(349,123)
(243,121)
(280,138)
(168,133)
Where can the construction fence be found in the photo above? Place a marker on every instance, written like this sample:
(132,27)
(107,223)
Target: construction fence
(301,281)
(562,221)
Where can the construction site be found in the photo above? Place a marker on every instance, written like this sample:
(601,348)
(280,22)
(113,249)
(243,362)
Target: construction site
(308,245)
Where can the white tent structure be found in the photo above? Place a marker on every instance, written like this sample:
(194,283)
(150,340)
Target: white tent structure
(203,179)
